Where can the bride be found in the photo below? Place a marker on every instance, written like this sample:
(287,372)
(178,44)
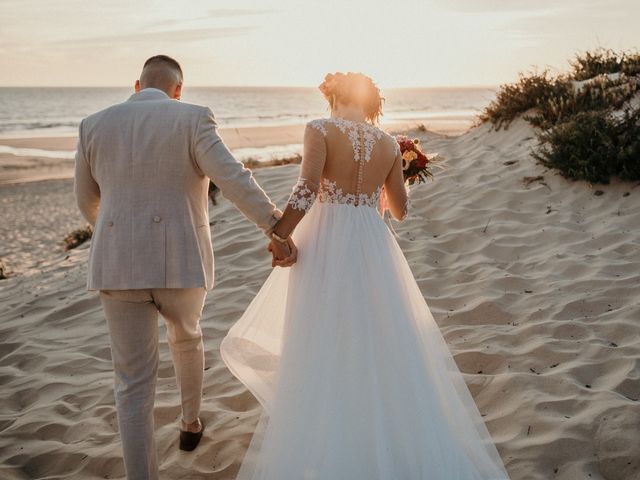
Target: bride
(354,377)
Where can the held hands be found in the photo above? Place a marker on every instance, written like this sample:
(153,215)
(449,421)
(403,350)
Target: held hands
(284,254)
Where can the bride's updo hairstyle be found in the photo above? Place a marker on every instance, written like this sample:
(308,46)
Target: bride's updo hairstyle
(353,89)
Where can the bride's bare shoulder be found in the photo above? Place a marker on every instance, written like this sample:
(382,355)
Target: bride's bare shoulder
(391,141)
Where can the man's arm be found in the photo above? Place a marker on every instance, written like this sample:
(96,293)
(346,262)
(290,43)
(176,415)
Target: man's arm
(86,189)
(234,180)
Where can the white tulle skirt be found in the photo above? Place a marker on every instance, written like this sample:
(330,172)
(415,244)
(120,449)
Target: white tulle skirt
(353,374)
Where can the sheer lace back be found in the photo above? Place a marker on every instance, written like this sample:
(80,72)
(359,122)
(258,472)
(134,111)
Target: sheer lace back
(362,136)
(345,162)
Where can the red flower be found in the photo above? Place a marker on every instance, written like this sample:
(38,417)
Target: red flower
(419,169)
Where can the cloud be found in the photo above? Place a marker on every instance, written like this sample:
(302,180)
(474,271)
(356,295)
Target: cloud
(493,6)
(185,35)
(213,14)
(230,12)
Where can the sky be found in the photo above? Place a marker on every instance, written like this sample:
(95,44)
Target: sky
(399,43)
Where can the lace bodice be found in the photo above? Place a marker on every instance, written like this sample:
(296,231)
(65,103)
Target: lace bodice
(302,197)
(330,193)
(327,174)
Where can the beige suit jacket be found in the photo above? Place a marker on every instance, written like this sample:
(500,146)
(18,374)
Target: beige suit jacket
(141,178)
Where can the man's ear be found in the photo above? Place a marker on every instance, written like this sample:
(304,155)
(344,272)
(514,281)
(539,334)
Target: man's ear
(178,92)
(137,86)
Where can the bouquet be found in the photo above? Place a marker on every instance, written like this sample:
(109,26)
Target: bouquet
(416,165)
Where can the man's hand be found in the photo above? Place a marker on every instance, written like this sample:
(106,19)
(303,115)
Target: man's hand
(284,254)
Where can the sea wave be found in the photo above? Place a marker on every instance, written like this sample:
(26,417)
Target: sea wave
(268,154)
(37,152)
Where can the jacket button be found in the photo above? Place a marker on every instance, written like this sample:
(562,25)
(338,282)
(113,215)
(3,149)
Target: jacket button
(156,219)
(110,224)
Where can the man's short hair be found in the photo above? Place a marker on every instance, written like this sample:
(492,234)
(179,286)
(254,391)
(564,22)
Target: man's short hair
(161,72)
(164,59)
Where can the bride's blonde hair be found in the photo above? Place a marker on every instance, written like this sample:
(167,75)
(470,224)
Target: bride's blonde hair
(353,89)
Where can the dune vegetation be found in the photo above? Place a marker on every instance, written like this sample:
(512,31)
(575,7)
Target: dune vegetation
(587,120)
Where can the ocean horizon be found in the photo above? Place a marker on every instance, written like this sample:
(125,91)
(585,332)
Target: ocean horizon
(57,111)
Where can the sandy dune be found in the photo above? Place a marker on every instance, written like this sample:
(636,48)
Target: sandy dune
(536,288)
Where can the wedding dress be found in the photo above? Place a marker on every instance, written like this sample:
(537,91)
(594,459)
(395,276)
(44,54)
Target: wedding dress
(354,377)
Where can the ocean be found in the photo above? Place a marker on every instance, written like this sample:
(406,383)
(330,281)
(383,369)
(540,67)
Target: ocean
(58,111)
(54,112)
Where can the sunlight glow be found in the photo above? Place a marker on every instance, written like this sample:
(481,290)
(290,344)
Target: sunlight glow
(402,43)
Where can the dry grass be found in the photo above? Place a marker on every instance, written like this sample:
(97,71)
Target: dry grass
(77,237)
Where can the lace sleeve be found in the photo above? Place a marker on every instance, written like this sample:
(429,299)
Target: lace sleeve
(303,195)
(313,158)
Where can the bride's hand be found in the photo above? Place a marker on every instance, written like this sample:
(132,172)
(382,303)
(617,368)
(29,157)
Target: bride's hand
(284,254)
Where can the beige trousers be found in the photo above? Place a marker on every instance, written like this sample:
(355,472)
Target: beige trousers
(132,316)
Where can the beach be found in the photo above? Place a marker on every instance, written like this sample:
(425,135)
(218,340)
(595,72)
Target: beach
(533,280)
(261,125)
(29,159)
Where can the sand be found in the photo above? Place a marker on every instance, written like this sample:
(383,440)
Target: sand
(535,287)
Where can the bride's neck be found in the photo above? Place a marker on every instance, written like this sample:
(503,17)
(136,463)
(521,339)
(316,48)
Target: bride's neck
(348,112)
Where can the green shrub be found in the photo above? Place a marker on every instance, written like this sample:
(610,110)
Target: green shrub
(593,146)
(629,146)
(588,122)
(603,61)
(549,101)
(601,93)
(529,92)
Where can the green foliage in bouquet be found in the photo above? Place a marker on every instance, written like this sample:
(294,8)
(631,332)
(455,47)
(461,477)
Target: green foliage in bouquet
(588,119)
(77,237)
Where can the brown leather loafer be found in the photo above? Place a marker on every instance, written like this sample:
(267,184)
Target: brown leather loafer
(189,440)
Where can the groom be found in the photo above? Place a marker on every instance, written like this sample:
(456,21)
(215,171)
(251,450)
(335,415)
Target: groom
(141,179)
